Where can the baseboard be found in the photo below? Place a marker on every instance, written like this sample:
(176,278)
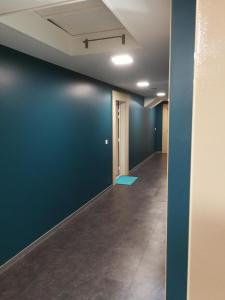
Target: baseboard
(144,161)
(52,231)
(49,233)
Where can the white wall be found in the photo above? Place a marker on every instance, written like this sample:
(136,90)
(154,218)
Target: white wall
(207,200)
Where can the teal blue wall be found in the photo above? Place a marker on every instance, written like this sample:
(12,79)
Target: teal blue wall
(53,123)
(158,125)
(181,94)
(141,132)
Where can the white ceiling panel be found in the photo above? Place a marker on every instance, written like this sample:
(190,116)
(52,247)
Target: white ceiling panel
(68,6)
(95,19)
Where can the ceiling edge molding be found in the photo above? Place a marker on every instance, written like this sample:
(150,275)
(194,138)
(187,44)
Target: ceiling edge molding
(152,102)
(31,24)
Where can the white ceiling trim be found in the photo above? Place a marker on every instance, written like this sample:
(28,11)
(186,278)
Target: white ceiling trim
(68,7)
(153,102)
(33,25)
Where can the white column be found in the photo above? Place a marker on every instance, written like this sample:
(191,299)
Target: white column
(207,198)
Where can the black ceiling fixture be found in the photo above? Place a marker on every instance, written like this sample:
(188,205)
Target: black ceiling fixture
(122,37)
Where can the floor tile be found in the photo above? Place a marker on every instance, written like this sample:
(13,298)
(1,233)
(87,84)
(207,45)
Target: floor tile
(114,249)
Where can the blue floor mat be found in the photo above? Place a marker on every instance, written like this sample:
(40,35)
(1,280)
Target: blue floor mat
(126,180)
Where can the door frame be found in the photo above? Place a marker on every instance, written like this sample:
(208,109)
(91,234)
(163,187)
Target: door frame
(124,134)
(165,127)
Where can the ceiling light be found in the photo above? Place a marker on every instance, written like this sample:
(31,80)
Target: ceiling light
(121,60)
(161,94)
(142,84)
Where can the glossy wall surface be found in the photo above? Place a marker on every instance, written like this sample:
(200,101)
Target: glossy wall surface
(53,124)
(180,135)
(53,156)
(158,126)
(141,132)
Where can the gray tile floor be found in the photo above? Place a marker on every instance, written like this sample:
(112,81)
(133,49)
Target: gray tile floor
(113,250)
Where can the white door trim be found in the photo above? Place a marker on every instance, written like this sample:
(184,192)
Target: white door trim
(165,125)
(124,134)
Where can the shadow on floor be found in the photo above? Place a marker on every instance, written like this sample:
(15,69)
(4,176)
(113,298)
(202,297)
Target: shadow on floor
(113,250)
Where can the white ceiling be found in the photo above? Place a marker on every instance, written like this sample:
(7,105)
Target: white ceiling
(145,22)
(10,6)
(82,17)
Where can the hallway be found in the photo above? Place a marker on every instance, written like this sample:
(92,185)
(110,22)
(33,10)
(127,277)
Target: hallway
(114,249)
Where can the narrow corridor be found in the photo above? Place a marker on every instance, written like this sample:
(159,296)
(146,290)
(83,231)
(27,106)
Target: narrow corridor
(114,249)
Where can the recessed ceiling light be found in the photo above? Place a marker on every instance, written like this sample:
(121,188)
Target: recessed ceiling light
(121,60)
(161,94)
(142,84)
